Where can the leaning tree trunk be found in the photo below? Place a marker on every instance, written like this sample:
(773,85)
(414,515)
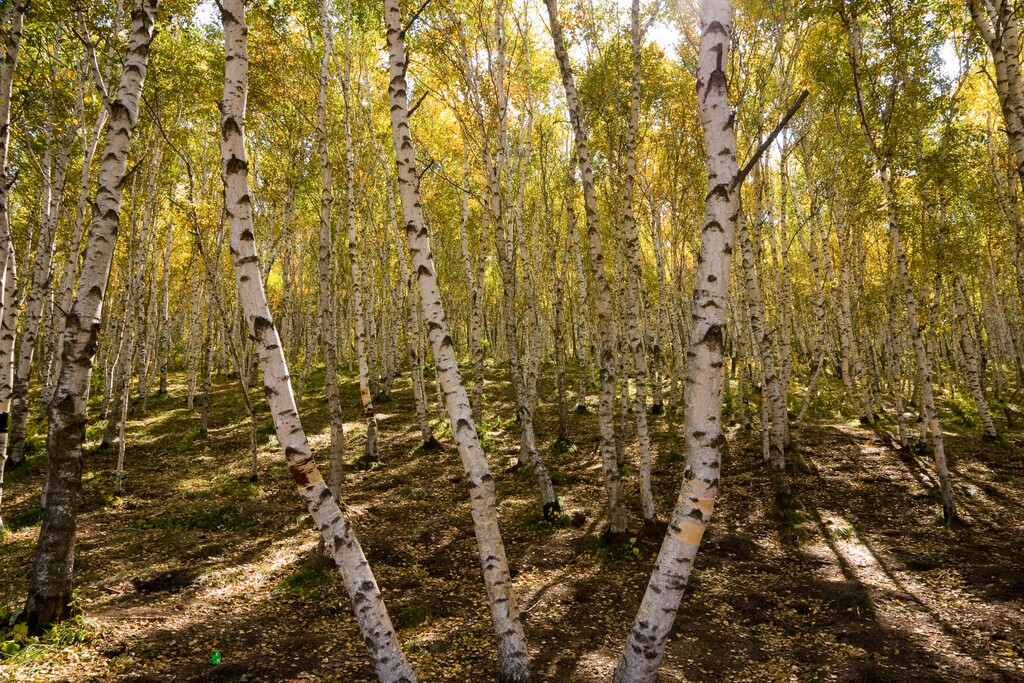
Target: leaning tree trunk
(513,656)
(49,597)
(617,522)
(996,21)
(645,644)
(374,623)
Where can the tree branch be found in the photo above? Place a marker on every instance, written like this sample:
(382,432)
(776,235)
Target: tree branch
(770,139)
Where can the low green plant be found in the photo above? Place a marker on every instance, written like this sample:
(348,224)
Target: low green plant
(413,492)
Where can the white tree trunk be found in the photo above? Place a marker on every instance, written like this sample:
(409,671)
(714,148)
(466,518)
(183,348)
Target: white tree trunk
(50,589)
(374,623)
(513,657)
(929,415)
(773,402)
(14,17)
(325,266)
(634,278)
(645,644)
(40,295)
(617,522)
(972,363)
(364,339)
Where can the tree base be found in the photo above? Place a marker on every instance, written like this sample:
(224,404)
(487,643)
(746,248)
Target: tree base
(551,510)
(581,409)
(614,538)
(654,529)
(43,612)
(431,445)
(657,409)
(11,464)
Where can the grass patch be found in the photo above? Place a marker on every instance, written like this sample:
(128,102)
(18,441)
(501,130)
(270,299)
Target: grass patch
(311,579)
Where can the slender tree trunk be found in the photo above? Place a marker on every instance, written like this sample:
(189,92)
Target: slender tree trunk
(972,363)
(617,522)
(930,416)
(634,278)
(645,644)
(40,294)
(513,657)
(474,275)
(8,302)
(8,318)
(164,353)
(325,266)
(367,385)
(773,400)
(374,623)
(662,334)
(49,598)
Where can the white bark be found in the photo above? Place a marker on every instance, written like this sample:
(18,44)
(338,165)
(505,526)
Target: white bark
(634,278)
(513,657)
(617,522)
(773,402)
(325,266)
(50,589)
(40,294)
(930,416)
(13,21)
(972,363)
(375,625)
(364,338)
(645,644)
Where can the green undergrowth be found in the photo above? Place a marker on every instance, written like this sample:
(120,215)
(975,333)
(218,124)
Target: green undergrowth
(19,648)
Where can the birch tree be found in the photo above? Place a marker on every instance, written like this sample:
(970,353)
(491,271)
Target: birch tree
(13,21)
(513,656)
(930,416)
(617,522)
(374,623)
(645,644)
(49,597)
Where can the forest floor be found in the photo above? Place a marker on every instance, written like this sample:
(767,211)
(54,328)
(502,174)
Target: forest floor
(861,583)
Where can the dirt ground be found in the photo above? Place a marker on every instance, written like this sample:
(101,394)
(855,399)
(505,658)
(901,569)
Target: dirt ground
(862,583)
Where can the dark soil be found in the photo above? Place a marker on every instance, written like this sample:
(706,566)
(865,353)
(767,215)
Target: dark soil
(859,582)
